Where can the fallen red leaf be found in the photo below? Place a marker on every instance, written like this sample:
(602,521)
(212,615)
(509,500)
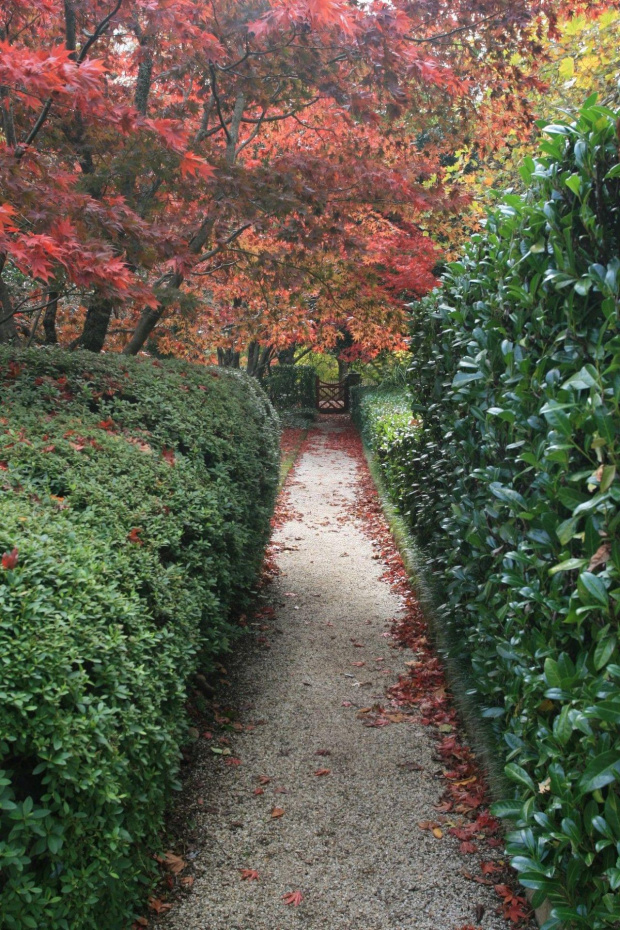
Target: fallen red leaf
(293,897)
(323,752)
(264,779)
(259,791)
(320,772)
(250,875)
(157,905)
(277,812)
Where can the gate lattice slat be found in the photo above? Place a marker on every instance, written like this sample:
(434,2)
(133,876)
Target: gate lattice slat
(331,397)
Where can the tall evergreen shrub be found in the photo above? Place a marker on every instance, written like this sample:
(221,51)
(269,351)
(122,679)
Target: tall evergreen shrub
(513,490)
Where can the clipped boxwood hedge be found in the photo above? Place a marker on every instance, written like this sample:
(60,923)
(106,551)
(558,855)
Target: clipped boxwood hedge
(291,386)
(512,487)
(134,508)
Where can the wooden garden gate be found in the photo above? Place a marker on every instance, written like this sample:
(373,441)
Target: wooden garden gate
(332,397)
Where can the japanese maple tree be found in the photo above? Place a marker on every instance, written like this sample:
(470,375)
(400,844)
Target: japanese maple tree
(257,173)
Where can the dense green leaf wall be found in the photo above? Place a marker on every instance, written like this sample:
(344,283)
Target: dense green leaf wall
(512,488)
(138,496)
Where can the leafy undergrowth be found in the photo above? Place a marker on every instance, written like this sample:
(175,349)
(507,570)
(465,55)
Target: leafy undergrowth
(463,809)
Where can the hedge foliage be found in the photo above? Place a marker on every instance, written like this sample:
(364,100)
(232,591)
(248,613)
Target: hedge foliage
(291,386)
(135,505)
(512,488)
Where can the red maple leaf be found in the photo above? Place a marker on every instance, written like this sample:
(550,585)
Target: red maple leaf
(250,875)
(9,559)
(134,536)
(320,772)
(293,897)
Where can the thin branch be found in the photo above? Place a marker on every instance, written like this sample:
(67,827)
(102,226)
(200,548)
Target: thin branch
(101,28)
(217,102)
(453,32)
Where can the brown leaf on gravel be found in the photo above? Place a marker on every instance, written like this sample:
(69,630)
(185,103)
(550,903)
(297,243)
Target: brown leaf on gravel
(157,905)
(320,772)
(188,881)
(259,791)
(250,875)
(413,767)
(277,812)
(323,752)
(264,779)
(173,863)
(293,897)
(140,922)
(358,664)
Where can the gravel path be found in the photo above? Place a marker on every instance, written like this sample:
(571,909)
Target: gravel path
(348,840)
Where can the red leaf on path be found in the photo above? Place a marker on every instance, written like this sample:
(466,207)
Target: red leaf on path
(259,791)
(277,812)
(323,752)
(168,455)
(232,761)
(320,772)
(358,664)
(264,779)
(10,559)
(347,704)
(467,847)
(488,868)
(250,875)
(293,897)
(158,906)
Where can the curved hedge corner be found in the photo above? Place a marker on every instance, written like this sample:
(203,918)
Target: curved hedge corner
(513,490)
(135,506)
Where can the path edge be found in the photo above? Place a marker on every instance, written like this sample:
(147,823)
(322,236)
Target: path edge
(426,592)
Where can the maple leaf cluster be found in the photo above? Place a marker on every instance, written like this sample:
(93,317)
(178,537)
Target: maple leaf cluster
(234,178)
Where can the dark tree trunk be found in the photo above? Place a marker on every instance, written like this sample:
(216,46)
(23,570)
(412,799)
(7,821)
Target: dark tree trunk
(8,329)
(228,358)
(49,320)
(96,325)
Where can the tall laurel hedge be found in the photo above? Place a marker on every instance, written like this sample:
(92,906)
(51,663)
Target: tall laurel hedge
(512,487)
(135,501)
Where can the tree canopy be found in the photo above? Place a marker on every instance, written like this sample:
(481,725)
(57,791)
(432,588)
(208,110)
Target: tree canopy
(260,173)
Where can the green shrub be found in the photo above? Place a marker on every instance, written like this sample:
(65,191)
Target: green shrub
(291,386)
(512,488)
(138,497)
(384,418)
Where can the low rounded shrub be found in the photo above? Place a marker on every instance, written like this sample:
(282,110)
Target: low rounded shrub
(135,506)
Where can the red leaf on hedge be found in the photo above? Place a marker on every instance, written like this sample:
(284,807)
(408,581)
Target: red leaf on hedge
(4,466)
(108,425)
(134,536)
(9,559)
(168,456)
(293,897)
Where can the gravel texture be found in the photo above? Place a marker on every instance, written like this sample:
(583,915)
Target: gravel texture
(348,840)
